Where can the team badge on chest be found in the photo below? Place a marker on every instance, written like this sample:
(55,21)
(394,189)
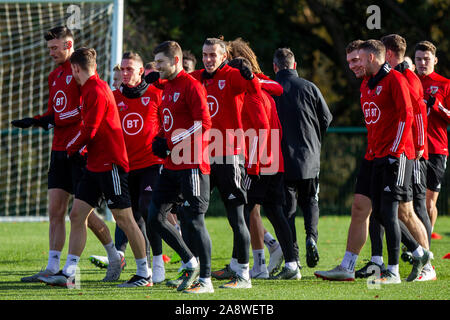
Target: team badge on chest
(145,100)
(221,84)
(68,79)
(379,88)
(434,89)
(176,95)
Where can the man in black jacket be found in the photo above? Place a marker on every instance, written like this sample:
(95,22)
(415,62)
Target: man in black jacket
(304,117)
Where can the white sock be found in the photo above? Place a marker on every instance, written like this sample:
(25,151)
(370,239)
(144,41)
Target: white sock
(349,261)
(233,264)
(394,269)
(270,242)
(418,252)
(70,267)
(291,265)
(243,270)
(158,261)
(112,253)
(191,264)
(259,260)
(377,259)
(53,261)
(142,267)
(206,280)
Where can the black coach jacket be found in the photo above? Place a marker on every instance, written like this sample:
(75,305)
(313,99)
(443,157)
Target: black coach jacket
(304,117)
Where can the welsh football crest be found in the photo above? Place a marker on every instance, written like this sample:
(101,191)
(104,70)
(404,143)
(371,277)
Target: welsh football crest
(68,79)
(434,89)
(379,88)
(145,100)
(176,95)
(221,84)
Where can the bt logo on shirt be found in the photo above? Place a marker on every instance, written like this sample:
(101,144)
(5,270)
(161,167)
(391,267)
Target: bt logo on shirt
(132,123)
(371,112)
(167,119)
(213,105)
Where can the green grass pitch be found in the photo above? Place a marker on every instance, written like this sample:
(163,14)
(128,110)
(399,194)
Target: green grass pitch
(24,248)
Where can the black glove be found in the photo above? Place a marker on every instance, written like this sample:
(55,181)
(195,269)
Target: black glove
(152,77)
(78,159)
(430,102)
(46,122)
(246,73)
(24,123)
(244,66)
(160,147)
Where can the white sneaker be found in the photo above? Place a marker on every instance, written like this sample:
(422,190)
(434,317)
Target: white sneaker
(260,274)
(276,259)
(159,274)
(337,274)
(428,274)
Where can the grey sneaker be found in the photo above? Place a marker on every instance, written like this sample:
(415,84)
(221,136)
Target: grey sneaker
(200,287)
(223,274)
(113,272)
(387,277)
(35,277)
(337,274)
(287,274)
(237,283)
(59,279)
(419,264)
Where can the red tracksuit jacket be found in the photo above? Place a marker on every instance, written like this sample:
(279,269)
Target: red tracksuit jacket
(265,158)
(388,115)
(140,125)
(64,101)
(101,131)
(439,114)
(225,100)
(185,121)
(419,126)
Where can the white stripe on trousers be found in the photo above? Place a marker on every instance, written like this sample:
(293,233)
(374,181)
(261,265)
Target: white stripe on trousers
(116,181)
(417,171)
(237,171)
(401,170)
(195,183)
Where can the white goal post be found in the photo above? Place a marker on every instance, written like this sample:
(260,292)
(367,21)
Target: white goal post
(24,67)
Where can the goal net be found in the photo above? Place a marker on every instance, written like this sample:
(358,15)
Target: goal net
(24,68)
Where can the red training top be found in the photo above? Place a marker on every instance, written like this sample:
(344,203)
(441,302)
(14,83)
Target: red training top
(225,100)
(140,125)
(185,120)
(388,115)
(101,131)
(64,101)
(439,114)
